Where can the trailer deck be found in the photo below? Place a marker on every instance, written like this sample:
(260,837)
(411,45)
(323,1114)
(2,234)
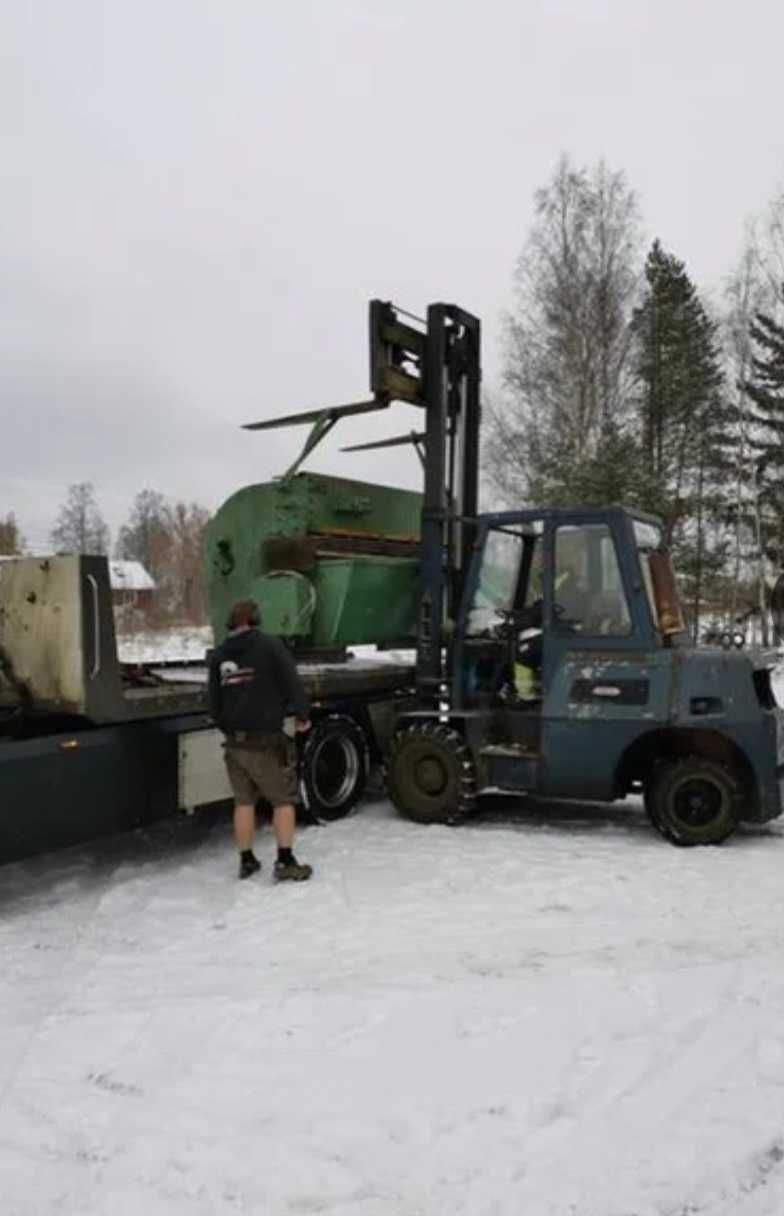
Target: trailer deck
(350,676)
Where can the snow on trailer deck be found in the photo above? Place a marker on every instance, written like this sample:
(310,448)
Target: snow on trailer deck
(554,1013)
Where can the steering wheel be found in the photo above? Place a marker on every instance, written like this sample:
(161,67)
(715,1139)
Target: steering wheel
(510,622)
(525,618)
(566,624)
(611,626)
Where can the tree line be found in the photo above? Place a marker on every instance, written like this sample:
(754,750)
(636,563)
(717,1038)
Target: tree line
(166,538)
(622,384)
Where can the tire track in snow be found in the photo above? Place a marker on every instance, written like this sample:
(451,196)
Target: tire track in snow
(755,1176)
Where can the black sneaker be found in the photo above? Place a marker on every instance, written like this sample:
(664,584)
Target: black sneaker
(292,871)
(249,865)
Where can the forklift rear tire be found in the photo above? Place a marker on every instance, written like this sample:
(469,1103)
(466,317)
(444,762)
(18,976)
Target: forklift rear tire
(431,775)
(333,767)
(694,801)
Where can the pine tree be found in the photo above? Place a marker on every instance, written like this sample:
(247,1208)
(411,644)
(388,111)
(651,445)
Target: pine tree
(765,388)
(681,417)
(678,366)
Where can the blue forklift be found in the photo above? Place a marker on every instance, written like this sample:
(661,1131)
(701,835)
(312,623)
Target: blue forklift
(553,658)
(552,654)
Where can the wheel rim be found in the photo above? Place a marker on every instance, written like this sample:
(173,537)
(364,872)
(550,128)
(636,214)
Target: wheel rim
(335,770)
(431,776)
(697,802)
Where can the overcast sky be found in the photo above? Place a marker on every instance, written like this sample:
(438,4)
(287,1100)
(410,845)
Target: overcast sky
(198,197)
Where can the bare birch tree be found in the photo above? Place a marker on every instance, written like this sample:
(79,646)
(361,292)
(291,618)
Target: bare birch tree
(567,364)
(745,294)
(80,527)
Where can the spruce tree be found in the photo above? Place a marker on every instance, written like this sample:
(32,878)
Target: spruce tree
(765,388)
(679,371)
(681,416)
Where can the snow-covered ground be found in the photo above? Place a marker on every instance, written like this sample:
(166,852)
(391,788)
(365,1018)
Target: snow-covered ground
(551,1014)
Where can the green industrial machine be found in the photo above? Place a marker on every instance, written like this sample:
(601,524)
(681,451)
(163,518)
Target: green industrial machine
(331,562)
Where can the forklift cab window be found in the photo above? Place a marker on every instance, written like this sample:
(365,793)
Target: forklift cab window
(648,539)
(588,594)
(498,578)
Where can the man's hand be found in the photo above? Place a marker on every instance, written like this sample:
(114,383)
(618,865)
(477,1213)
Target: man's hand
(301,725)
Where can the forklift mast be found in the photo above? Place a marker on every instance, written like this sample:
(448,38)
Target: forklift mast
(451,459)
(434,364)
(439,370)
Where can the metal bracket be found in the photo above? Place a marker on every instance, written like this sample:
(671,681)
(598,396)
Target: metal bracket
(320,429)
(96,667)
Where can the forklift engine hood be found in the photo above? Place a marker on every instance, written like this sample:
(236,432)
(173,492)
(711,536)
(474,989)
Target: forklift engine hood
(712,667)
(736,692)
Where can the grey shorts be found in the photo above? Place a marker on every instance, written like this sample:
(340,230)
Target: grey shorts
(264,769)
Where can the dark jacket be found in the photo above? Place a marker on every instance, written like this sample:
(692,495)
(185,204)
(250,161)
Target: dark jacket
(254,684)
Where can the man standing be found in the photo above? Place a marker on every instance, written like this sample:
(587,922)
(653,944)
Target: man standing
(253,685)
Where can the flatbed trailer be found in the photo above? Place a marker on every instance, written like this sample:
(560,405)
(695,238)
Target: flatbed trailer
(90,746)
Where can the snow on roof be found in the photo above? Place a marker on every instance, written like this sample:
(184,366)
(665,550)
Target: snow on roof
(129,576)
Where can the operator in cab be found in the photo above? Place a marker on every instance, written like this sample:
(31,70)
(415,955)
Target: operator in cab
(253,686)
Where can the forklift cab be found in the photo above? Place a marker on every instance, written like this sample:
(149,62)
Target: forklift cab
(544,584)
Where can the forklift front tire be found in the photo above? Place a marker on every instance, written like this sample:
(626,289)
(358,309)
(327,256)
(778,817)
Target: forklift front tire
(431,776)
(694,801)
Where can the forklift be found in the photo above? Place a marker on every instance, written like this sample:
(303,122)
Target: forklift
(552,654)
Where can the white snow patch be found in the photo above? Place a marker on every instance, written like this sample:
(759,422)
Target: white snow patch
(185,645)
(129,576)
(551,1015)
(188,645)
(407,657)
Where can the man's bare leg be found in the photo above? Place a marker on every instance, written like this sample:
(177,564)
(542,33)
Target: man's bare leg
(244,831)
(244,826)
(284,820)
(287,867)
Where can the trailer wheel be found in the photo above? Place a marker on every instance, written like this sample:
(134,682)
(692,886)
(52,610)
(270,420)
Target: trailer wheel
(431,774)
(333,767)
(694,801)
